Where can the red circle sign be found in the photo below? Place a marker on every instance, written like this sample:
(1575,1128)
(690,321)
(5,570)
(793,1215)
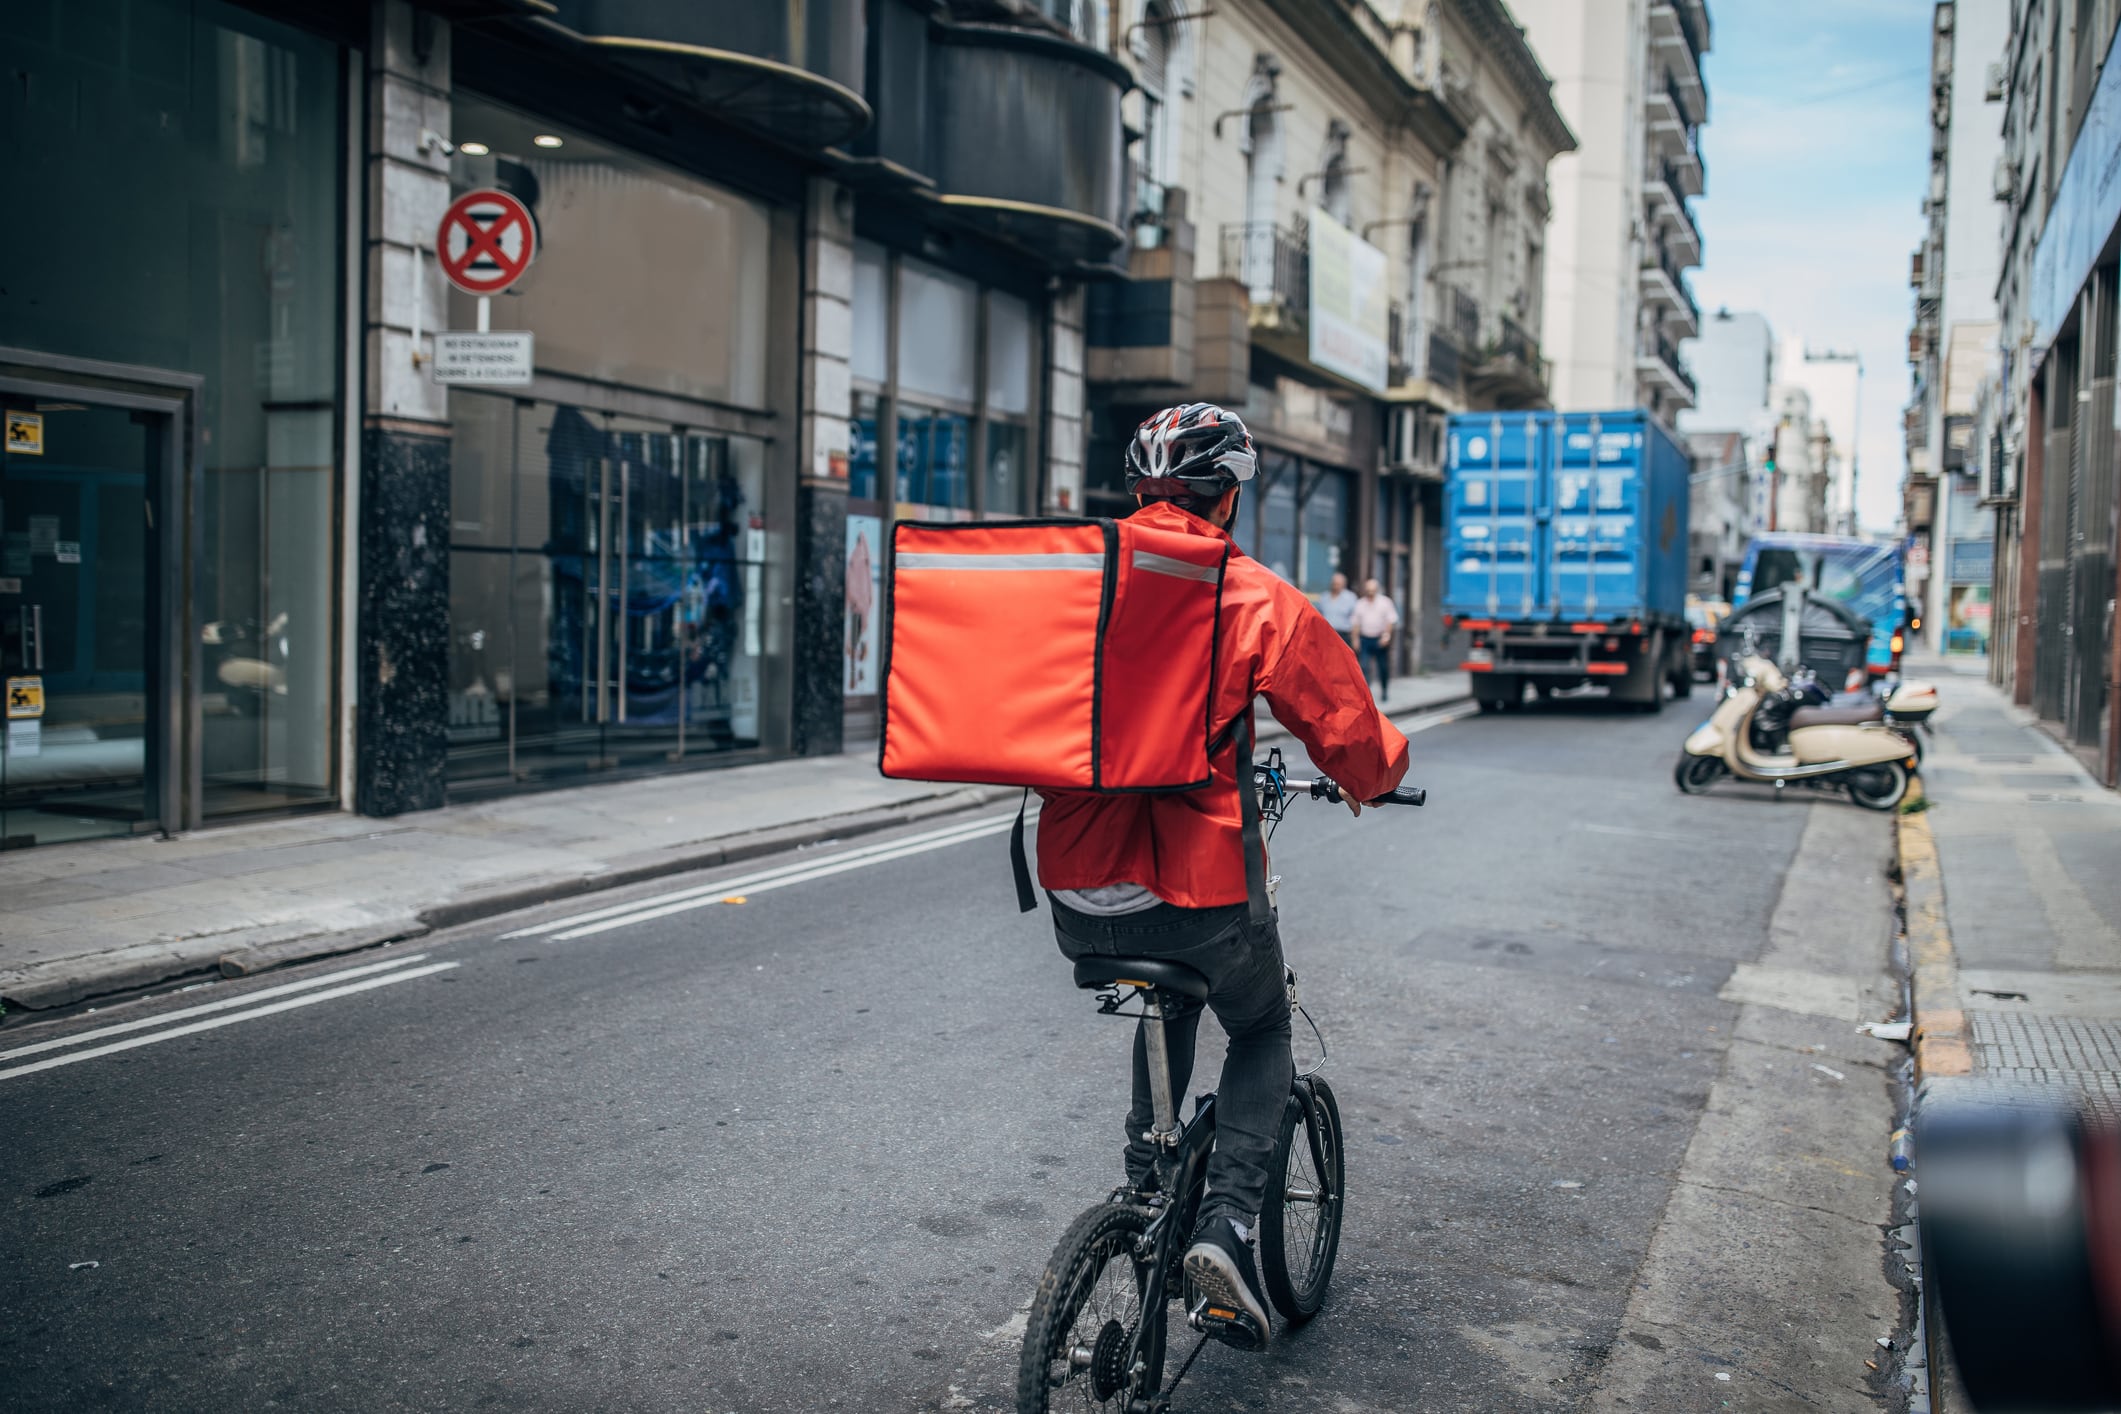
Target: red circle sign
(486,242)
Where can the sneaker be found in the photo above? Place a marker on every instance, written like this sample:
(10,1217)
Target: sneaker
(1221,1276)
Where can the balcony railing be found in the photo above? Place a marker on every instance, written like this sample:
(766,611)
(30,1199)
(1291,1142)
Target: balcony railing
(1656,345)
(1679,196)
(1517,342)
(1274,262)
(1461,317)
(1676,273)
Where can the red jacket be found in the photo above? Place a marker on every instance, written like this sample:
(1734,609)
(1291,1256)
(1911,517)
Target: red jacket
(1187,847)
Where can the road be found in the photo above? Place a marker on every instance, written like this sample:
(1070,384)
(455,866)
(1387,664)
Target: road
(810,1150)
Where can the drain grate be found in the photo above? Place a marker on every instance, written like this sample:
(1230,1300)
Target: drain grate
(2071,1053)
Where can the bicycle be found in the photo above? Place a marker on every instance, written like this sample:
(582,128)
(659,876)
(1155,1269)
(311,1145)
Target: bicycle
(1096,1333)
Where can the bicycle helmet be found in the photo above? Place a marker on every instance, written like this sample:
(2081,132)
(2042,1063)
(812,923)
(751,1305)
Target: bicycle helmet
(1197,450)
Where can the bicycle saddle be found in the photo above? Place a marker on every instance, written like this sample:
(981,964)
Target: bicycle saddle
(1092,972)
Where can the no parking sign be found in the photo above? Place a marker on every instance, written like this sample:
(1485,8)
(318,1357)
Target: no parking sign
(486,242)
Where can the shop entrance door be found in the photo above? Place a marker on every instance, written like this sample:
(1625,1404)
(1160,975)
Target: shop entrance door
(607,593)
(82,483)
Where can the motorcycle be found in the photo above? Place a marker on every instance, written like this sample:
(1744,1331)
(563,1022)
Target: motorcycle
(1755,735)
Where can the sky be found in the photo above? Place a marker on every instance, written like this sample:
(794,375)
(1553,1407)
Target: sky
(1817,153)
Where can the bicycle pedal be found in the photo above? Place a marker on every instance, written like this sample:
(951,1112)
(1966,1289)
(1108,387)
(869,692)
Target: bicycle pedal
(1231,1327)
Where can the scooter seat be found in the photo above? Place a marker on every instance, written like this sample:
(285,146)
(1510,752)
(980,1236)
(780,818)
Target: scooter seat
(1836,716)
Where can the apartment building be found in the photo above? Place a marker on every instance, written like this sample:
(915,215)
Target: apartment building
(2045,421)
(1338,228)
(1627,76)
(1952,339)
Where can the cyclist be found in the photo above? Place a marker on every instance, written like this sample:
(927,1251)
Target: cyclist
(1164,875)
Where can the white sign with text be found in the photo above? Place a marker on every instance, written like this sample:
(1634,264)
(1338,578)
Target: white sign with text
(488,360)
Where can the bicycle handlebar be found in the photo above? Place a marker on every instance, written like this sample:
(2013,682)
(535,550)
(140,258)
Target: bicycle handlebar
(1323,788)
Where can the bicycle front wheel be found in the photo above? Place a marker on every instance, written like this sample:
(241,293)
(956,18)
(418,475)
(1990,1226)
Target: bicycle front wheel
(1079,1338)
(1299,1223)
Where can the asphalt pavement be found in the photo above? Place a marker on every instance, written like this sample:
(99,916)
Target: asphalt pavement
(800,1134)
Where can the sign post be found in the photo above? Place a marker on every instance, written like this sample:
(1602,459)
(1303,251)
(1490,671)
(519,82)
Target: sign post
(486,243)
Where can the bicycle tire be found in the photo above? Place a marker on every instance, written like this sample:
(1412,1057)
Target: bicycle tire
(1075,1277)
(1299,1221)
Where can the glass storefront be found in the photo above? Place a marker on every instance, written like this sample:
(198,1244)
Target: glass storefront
(183,161)
(618,572)
(607,594)
(950,366)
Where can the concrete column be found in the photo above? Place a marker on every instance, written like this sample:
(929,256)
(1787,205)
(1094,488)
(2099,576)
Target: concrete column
(821,529)
(1064,405)
(402,652)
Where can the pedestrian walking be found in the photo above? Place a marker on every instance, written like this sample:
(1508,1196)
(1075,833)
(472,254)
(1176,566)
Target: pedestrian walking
(1338,605)
(1375,618)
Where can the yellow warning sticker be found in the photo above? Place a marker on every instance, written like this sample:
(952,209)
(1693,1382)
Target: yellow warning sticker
(25,433)
(25,698)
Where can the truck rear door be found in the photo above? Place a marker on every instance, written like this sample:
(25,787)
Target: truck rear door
(1596,560)
(1495,549)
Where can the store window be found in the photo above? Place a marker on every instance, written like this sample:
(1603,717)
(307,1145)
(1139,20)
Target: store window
(951,369)
(177,174)
(1293,518)
(617,575)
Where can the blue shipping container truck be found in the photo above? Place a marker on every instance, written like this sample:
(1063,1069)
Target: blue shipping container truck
(1565,536)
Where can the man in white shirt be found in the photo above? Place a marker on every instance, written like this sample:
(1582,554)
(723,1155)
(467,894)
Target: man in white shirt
(1374,619)
(1338,606)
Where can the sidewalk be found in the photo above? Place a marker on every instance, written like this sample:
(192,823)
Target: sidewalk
(85,920)
(2027,851)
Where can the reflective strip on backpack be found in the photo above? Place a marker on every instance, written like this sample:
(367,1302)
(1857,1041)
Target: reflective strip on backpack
(1059,560)
(1177,569)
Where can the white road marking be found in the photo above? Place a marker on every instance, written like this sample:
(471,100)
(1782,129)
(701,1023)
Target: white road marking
(963,830)
(1432,719)
(1634,834)
(648,910)
(212,1023)
(225,1004)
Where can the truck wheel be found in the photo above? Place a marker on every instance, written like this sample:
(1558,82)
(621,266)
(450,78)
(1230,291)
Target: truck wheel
(1498,694)
(1683,674)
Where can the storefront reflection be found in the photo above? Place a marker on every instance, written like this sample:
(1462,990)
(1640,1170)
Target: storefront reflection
(634,632)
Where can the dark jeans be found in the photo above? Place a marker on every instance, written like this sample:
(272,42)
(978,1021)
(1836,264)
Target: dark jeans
(1372,654)
(1246,988)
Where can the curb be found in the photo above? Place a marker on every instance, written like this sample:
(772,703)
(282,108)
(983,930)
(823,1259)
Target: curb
(130,970)
(1939,1037)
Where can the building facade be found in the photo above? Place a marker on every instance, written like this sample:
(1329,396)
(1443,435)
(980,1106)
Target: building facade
(2048,417)
(1952,340)
(1338,230)
(1730,432)
(800,270)
(1627,76)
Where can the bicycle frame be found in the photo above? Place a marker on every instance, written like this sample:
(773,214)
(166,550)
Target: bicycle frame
(1181,1168)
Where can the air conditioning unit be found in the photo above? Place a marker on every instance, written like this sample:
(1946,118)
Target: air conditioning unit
(1411,434)
(1998,83)
(2006,179)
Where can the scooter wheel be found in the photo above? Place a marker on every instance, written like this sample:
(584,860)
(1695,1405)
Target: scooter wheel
(1879,787)
(1695,774)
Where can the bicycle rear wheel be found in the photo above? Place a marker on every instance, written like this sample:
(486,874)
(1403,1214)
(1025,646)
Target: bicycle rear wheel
(1299,1223)
(1083,1319)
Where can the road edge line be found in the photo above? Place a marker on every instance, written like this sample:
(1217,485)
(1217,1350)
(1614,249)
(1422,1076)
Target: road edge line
(1939,1038)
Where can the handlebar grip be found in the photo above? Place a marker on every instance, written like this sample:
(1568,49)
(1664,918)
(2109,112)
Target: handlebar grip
(1405,795)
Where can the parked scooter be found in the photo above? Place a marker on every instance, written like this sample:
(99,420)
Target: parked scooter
(1753,735)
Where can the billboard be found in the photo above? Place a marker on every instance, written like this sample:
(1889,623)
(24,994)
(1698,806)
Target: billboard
(1350,304)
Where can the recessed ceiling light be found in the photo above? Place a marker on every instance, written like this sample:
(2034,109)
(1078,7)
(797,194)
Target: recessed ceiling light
(474,149)
(546,140)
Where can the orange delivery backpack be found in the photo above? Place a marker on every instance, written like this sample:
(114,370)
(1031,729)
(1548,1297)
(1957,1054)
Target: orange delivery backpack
(1053,655)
